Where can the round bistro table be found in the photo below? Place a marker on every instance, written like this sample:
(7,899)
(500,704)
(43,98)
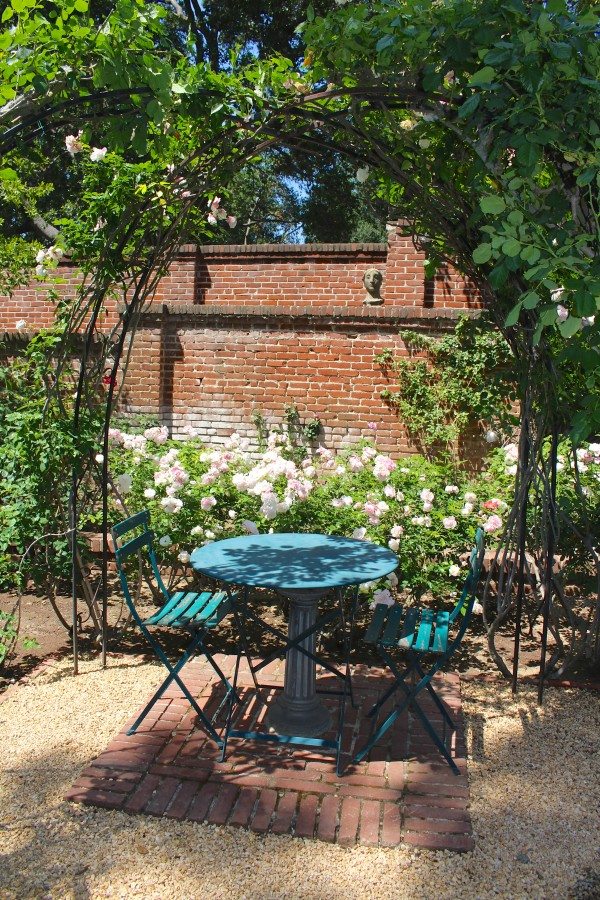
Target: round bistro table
(304,568)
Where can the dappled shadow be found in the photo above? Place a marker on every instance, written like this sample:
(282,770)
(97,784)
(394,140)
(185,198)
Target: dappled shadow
(294,561)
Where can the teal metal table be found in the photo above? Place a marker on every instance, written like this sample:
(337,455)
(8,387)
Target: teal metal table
(304,568)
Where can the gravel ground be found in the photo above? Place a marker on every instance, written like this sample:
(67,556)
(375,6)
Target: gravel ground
(535,783)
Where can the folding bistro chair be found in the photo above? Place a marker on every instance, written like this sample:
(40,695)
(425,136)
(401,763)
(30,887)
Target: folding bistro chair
(421,633)
(195,612)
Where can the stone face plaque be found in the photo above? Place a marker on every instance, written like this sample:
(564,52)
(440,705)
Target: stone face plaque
(372,280)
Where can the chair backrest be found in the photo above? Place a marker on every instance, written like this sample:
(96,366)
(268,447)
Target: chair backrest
(133,535)
(464,605)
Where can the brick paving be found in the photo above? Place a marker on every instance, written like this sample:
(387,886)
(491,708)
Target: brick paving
(404,792)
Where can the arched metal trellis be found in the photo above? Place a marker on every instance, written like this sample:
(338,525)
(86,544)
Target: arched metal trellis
(340,121)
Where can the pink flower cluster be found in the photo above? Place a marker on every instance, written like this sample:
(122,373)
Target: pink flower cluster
(216,213)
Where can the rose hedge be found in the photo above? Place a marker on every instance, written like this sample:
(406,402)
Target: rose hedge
(425,511)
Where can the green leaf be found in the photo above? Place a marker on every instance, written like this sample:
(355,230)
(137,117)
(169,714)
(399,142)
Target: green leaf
(537,334)
(483,76)
(548,315)
(482,254)
(511,247)
(513,316)
(586,177)
(515,217)
(310,13)
(384,42)
(492,204)
(178,88)
(498,56)
(531,300)
(81,6)
(585,304)
(7,14)
(8,175)
(530,254)
(469,106)
(570,326)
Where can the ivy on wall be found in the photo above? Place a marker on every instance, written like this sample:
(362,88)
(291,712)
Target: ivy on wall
(452,387)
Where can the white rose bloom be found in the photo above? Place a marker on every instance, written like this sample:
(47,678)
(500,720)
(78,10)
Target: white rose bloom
(249,526)
(451,489)
(98,153)
(197,529)
(392,580)
(362,174)
(165,540)
(427,496)
(124,483)
(232,514)
(99,457)
(359,534)
(454,571)
(184,557)
(397,531)
(467,509)
(149,493)
(171,504)
(394,544)
(427,507)
(470,497)
(382,597)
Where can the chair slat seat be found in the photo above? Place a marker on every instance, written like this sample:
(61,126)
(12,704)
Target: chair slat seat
(440,636)
(390,632)
(377,623)
(195,611)
(421,632)
(421,629)
(408,629)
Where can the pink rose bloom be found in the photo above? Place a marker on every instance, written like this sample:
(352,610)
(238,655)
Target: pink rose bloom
(355,464)
(449,522)
(389,491)
(207,503)
(492,504)
(372,426)
(492,524)
(157,435)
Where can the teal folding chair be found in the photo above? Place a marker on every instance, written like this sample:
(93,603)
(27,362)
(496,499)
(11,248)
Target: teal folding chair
(421,633)
(197,613)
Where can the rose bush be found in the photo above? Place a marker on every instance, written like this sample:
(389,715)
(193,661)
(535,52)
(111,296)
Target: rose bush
(424,511)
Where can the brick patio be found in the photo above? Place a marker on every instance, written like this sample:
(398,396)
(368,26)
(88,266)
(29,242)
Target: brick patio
(404,793)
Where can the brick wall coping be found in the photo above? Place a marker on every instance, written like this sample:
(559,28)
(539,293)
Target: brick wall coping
(279,249)
(354,312)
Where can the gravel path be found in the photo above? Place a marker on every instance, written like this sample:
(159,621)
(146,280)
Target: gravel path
(535,783)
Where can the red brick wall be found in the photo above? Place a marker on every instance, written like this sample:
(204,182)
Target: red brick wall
(237,329)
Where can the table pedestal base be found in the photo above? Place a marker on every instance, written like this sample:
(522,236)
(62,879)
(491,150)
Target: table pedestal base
(299,711)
